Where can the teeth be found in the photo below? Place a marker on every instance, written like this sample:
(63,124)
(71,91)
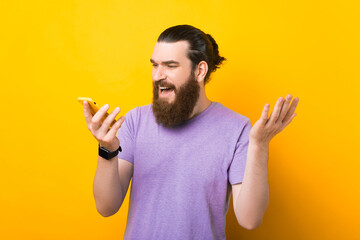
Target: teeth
(163,88)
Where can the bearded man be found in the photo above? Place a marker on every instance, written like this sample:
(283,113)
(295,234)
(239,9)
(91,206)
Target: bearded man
(184,153)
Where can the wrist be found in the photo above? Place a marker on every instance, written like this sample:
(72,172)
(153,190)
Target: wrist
(111,148)
(107,153)
(261,145)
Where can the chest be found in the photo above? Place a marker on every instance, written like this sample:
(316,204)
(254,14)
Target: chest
(200,157)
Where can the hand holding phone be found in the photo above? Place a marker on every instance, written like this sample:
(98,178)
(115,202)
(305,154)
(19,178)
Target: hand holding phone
(94,108)
(101,124)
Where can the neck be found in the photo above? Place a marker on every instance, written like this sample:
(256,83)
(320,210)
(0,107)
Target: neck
(202,104)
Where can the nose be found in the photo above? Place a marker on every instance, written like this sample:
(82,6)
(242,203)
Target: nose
(158,73)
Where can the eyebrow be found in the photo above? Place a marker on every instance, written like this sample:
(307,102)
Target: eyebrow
(166,62)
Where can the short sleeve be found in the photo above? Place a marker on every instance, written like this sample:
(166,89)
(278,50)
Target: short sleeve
(237,166)
(126,135)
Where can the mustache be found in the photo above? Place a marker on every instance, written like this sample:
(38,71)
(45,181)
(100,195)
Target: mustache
(163,83)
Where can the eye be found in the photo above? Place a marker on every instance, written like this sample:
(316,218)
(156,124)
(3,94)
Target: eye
(154,65)
(172,66)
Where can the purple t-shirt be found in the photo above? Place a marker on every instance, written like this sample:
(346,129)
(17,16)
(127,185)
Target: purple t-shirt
(182,178)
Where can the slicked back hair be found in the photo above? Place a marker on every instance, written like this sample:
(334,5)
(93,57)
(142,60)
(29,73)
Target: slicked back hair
(202,46)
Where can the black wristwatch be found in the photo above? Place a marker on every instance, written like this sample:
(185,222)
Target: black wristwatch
(105,153)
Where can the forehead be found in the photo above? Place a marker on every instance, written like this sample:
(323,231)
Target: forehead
(164,51)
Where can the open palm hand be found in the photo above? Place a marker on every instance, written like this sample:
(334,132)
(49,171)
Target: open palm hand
(266,128)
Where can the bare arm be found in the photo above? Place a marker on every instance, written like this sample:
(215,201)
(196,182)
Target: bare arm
(112,176)
(111,183)
(252,201)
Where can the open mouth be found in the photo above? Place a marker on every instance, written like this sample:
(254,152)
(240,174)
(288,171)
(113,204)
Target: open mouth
(165,90)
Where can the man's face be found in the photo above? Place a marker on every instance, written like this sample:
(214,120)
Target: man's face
(171,68)
(176,90)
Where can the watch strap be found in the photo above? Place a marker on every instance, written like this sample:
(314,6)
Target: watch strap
(107,154)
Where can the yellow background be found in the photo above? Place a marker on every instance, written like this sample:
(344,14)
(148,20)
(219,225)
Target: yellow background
(52,52)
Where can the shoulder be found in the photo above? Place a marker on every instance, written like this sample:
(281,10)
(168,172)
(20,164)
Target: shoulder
(229,116)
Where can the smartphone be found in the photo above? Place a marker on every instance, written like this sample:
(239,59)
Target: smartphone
(94,108)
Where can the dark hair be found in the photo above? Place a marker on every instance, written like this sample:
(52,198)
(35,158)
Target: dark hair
(202,46)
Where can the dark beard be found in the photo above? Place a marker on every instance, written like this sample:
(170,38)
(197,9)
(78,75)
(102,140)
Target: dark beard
(176,113)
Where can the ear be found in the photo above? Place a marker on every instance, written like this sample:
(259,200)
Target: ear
(201,71)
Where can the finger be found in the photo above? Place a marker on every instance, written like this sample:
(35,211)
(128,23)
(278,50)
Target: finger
(109,119)
(288,121)
(264,115)
(291,110)
(114,129)
(285,107)
(275,114)
(87,112)
(96,120)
